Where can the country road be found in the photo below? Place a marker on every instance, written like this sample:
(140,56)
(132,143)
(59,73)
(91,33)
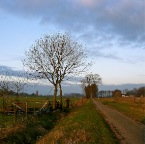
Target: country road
(127,130)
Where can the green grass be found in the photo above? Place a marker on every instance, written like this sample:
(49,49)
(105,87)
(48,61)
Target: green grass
(6,120)
(84,125)
(33,101)
(30,129)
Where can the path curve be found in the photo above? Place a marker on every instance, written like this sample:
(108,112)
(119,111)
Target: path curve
(127,130)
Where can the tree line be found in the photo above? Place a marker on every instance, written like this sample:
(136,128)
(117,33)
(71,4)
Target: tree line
(136,92)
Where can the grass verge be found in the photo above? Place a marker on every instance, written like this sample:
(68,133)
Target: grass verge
(84,125)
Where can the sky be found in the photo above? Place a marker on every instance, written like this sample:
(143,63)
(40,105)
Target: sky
(111,32)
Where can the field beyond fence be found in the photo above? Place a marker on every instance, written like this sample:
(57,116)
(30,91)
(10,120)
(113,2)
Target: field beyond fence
(29,127)
(14,109)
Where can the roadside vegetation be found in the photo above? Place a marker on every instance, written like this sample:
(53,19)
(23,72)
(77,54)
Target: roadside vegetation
(83,125)
(133,107)
(29,128)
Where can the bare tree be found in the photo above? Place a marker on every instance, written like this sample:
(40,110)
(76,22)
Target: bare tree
(91,79)
(5,85)
(54,57)
(90,84)
(18,83)
(12,82)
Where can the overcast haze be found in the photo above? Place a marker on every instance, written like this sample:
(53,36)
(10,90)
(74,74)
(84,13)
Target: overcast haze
(112,32)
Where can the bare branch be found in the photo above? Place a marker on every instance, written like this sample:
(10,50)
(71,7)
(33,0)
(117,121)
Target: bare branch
(54,57)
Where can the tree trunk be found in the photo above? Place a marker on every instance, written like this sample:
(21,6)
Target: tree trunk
(60,96)
(55,94)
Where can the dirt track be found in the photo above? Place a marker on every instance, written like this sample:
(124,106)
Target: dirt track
(127,130)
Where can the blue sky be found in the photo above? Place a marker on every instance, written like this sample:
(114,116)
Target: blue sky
(112,32)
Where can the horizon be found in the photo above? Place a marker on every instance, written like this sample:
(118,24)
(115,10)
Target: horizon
(73,85)
(76,88)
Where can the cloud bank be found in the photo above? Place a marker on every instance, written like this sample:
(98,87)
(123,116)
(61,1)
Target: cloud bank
(124,19)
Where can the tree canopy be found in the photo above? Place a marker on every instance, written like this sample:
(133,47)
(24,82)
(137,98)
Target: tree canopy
(90,84)
(53,57)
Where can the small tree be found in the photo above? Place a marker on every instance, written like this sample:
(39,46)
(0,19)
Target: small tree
(53,58)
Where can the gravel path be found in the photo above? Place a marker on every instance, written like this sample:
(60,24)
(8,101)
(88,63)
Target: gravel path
(127,130)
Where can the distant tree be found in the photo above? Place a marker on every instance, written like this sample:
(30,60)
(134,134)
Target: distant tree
(132,92)
(54,57)
(18,83)
(5,84)
(140,92)
(12,83)
(88,91)
(125,91)
(129,93)
(135,91)
(94,89)
(90,84)
(116,93)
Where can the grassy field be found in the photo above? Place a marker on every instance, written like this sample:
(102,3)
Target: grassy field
(29,129)
(32,101)
(132,107)
(6,120)
(84,125)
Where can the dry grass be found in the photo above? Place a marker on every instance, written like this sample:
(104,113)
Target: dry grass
(5,132)
(131,106)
